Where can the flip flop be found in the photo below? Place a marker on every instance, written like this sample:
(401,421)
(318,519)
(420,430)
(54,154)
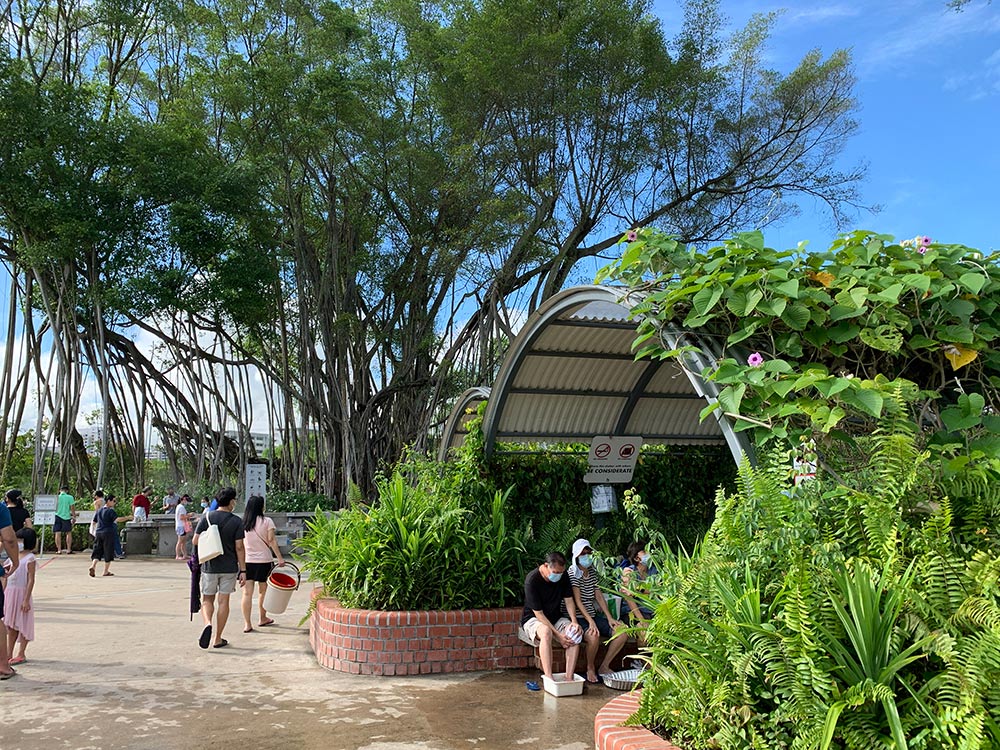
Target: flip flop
(221,644)
(265,623)
(7,675)
(532,685)
(247,630)
(206,637)
(92,573)
(109,573)
(17,660)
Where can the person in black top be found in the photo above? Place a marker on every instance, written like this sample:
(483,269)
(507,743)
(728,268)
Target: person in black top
(545,589)
(107,519)
(19,517)
(220,575)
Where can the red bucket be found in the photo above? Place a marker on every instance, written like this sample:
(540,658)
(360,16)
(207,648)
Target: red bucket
(282,581)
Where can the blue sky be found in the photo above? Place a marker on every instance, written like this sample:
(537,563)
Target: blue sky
(929,90)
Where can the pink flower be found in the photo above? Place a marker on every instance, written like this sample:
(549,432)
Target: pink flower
(922,249)
(755,359)
(632,235)
(925,241)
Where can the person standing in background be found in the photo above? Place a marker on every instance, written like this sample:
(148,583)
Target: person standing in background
(182,525)
(141,507)
(107,531)
(65,518)
(19,516)
(171,501)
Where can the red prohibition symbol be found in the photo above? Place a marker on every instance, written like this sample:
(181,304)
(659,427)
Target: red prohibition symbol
(626,450)
(603,450)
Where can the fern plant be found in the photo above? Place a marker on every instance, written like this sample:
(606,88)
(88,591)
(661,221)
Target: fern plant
(846,613)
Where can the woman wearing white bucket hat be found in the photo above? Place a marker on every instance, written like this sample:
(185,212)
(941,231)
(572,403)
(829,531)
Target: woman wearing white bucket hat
(599,623)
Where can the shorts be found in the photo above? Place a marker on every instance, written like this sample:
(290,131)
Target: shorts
(104,546)
(603,626)
(217,583)
(181,531)
(62,524)
(531,626)
(1,601)
(258,571)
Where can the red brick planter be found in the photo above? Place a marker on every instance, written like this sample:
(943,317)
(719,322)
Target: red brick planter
(609,734)
(361,641)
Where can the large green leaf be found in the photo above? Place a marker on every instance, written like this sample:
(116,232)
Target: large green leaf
(731,397)
(974,282)
(706,299)
(796,316)
(743,301)
(864,399)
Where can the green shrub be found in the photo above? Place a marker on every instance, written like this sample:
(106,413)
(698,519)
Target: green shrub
(418,547)
(848,614)
(287,501)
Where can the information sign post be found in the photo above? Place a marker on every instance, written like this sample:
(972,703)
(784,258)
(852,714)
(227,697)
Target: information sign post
(255,481)
(45,515)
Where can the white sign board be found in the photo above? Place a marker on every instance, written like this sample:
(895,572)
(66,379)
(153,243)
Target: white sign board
(256,480)
(612,459)
(45,509)
(45,503)
(602,499)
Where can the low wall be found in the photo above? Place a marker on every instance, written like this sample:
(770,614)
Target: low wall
(609,734)
(361,641)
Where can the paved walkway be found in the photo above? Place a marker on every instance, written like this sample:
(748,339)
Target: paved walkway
(116,664)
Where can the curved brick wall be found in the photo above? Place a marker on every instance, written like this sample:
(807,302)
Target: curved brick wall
(361,641)
(610,735)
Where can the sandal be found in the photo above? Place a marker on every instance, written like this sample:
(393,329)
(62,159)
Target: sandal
(7,675)
(265,623)
(92,573)
(221,644)
(17,660)
(109,573)
(206,637)
(247,630)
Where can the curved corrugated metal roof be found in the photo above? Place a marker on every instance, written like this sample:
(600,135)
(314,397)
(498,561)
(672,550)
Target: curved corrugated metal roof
(455,428)
(570,375)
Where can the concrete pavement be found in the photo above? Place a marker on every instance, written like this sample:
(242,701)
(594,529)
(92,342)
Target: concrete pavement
(116,664)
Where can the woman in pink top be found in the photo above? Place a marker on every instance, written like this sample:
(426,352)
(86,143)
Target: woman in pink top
(259,542)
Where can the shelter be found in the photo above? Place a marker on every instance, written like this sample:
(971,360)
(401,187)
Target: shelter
(571,375)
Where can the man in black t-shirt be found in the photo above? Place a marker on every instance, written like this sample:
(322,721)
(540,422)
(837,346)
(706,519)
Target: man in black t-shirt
(545,589)
(220,575)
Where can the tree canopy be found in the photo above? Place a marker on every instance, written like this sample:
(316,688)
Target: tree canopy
(346,208)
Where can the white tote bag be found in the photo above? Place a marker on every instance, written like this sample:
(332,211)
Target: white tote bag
(209,542)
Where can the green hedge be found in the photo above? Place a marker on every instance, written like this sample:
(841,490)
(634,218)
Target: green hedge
(678,485)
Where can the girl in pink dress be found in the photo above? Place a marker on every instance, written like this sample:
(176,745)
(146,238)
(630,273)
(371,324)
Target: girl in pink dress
(18,612)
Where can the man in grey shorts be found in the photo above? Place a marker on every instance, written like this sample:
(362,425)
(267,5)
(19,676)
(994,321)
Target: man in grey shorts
(220,575)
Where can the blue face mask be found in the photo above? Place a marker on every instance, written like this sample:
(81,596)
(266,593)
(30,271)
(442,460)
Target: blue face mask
(204,505)
(554,577)
(644,558)
(584,560)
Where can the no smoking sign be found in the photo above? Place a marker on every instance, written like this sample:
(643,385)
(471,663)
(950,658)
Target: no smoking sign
(612,459)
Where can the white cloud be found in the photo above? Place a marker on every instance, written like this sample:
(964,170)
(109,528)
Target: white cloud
(920,35)
(806,16)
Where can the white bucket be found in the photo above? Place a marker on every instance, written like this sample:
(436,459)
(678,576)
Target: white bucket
(280,587)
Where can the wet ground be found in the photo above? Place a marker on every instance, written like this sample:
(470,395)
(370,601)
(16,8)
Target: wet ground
(116,664)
